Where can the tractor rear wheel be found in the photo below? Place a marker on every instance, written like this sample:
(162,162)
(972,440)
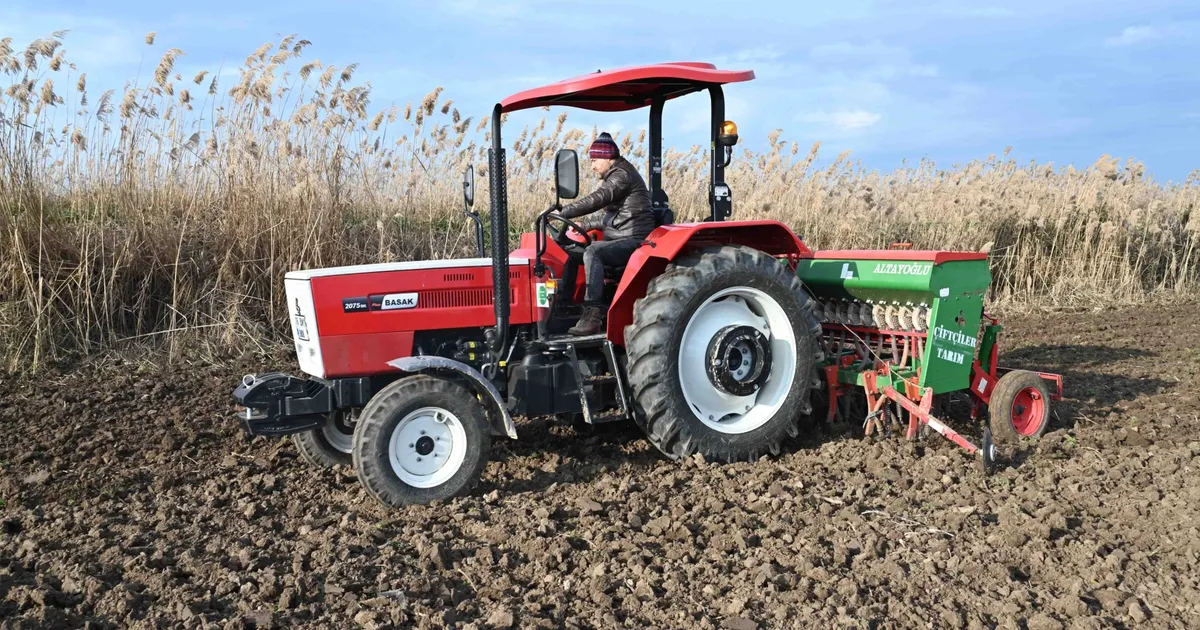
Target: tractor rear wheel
(421,439)
(329,445)
(723,352)
(1019,407)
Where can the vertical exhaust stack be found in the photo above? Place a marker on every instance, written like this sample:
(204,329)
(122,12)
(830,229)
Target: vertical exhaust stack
(497,188)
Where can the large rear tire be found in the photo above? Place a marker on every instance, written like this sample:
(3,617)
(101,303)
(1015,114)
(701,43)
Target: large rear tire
(421,439)
(723,352)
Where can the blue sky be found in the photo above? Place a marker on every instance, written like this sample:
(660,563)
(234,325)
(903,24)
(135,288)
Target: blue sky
(890,80)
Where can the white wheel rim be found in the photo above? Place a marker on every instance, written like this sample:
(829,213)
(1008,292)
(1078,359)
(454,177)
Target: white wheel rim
(719,410)
(427,447)
(341,441)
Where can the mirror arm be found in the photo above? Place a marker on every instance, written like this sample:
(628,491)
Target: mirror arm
(540,242)
(479,235)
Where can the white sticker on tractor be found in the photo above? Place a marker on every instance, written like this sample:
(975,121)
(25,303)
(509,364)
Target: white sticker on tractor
(395,301)
(982,385)
(543,296)
(847,274)
(301,327)
(944,292)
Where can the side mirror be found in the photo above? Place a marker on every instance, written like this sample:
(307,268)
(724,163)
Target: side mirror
(566,173)
(469,186)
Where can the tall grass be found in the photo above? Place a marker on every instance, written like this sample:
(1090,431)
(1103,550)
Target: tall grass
(172,209)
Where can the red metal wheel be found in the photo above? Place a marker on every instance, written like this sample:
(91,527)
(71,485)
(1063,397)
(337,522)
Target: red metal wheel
(1028,411)
(1019,407)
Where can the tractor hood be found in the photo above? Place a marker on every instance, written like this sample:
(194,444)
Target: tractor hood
(308,274)
(353,320)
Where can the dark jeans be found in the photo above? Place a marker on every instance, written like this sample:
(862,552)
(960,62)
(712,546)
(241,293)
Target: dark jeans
(595,258)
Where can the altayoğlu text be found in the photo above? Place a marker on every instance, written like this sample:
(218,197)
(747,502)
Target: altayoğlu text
(903,269)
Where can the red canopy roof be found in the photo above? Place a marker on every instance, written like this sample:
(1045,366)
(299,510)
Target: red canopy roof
(626,88)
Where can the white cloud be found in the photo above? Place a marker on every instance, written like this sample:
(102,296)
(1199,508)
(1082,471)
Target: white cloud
(923,70)
(692,113)
(1133,35)
(761,53)
(988,12)
(92,43)
(479,9)
(874,60)
(976,12)
(843,120)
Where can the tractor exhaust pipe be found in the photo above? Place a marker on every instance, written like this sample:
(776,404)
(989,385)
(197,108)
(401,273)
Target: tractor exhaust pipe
(498,189)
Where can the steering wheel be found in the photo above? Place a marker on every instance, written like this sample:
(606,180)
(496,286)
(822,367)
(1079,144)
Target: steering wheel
(562,233)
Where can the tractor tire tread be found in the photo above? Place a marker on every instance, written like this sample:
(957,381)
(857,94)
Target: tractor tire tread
(315,449)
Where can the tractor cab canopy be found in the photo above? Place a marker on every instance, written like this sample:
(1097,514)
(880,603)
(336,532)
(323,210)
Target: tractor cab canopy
(625,89)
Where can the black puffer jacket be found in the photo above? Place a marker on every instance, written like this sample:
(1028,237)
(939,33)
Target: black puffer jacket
(626,202)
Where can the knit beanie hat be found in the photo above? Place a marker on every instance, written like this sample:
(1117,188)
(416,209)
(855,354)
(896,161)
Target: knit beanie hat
(604,147)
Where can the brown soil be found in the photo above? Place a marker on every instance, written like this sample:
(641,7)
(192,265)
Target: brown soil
(131,499)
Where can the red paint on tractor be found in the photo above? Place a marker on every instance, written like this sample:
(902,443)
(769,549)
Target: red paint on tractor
(364,355)
(1028,411)
(921,414)
(361,343)
(668,242)
(623,89)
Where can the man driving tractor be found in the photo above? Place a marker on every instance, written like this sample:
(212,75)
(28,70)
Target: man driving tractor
(626,222)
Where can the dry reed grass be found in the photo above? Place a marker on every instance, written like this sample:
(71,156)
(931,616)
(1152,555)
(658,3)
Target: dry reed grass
(172,210)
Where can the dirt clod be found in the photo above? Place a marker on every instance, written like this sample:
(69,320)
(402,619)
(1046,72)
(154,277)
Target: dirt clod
(1137,612)
(588,506)
(1043,621)
(739,623)
(500,619)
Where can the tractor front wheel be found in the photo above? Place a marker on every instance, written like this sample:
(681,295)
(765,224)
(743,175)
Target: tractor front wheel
(722,355)
(1019,407)
(329,445)
(421,439)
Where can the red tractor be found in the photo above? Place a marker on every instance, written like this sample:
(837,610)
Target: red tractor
(711,343)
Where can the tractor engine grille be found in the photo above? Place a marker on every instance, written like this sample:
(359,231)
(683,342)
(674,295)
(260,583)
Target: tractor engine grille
(457,298)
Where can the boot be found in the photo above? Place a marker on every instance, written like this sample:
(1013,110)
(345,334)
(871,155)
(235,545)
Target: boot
(590,323)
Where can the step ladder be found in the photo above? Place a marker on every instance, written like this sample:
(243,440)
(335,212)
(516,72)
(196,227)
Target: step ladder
(567,344)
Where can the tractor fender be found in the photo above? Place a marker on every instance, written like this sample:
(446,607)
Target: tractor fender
(498,416)
(668,242)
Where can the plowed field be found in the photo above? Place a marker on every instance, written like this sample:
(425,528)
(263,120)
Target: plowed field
(131,499)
